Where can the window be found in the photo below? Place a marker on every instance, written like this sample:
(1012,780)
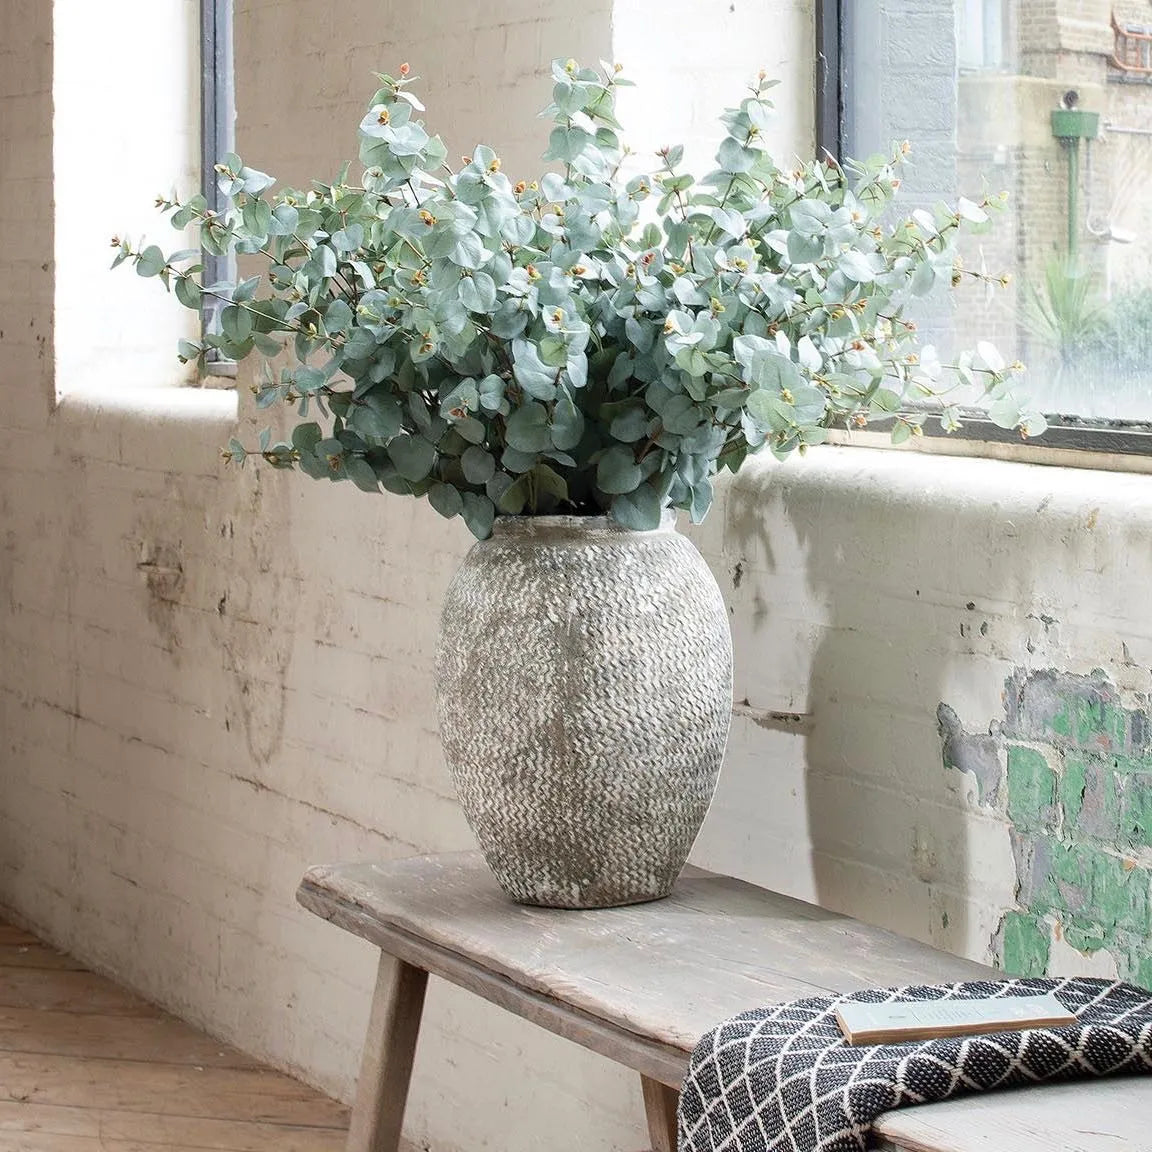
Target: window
(217,137)
(982,38)
(1050,101)
(114,150)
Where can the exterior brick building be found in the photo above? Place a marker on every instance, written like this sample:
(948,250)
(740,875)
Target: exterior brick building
(1017,63)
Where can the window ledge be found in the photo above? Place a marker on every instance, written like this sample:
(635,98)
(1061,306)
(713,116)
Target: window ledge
(925,483)
(175,430)
(1032,452)
(214,405)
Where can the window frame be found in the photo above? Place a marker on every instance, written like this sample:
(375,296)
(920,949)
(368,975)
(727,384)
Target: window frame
(1101,437)
(217,137)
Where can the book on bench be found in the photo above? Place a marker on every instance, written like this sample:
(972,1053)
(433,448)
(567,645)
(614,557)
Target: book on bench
(896,1023)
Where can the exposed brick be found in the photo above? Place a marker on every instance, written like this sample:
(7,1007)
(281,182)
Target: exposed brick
(1136,811)
(1025,944)
(1031,788)
(1088,798)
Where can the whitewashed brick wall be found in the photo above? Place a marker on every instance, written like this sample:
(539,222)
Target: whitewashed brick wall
(210,679)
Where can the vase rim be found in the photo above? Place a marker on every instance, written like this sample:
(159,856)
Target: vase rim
(531,525)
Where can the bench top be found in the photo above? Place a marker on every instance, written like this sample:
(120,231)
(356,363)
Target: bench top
(642,984)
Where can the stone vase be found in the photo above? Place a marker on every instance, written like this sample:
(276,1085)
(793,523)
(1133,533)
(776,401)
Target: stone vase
(584,685)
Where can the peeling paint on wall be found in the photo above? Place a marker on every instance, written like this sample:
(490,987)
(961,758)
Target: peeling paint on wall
(1070,769)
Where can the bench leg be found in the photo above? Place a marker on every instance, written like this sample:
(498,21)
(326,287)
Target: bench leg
(660,1105)
(386,1066)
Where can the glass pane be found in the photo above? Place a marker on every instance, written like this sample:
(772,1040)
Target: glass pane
(1049,101)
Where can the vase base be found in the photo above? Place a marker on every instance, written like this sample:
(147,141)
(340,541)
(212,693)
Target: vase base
(592,905)
(581,897)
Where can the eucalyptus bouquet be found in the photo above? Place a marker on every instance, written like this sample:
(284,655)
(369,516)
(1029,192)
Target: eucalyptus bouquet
(592,341)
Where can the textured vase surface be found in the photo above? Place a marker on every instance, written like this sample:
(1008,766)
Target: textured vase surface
(584,683)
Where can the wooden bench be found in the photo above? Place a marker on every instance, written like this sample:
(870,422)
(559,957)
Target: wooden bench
(642,984)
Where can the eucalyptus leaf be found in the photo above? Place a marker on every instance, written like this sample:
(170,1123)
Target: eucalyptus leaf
(527,429)
(567,422)
(536,377)
(151,261)
(618,471)
(412,455)
(631,425)
(478,292)
(479,514)
(446,500)
(377,417)
(478,465)
(639,509)
(361,474)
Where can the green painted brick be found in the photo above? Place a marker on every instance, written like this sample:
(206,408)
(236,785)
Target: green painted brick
(1069,887)
(1083,830)
(1031,788)
(1136,813)
(1096,724)
(1061,722)
(1085,937)
(1142,970)
(1119,893)
(1088,722)
(1072,785)
(1025,944)
(1114,726)
(1088,798)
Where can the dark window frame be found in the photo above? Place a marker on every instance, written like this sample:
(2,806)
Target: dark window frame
(217,137)
(1065,431)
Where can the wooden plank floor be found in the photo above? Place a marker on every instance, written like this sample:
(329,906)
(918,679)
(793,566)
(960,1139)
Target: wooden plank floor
(87,1067)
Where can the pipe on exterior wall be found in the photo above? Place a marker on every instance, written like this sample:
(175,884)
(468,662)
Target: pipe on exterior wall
(1073,146)
(1070,125)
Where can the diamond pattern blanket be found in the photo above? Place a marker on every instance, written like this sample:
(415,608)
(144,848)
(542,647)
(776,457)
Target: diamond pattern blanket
(783,1079)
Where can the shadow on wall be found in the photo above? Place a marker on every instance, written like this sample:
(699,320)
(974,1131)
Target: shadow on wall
(848,570)
(887,831)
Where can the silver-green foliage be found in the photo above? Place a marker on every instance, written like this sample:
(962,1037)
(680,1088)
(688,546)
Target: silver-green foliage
(558,346)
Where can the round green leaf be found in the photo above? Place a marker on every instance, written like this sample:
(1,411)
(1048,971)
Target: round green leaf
(639,510)
(618,471)
(446,500)
(376,417)
(478,292)
(567,423)
(631,425)
(412,455)
(479,513)
(527,429)
(479,466)
(361,474)
(188,292)
(151,262)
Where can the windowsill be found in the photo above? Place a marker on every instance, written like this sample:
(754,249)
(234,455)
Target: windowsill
(924,484)
(189,402)
(1034,452)
(197,419)
(180,431)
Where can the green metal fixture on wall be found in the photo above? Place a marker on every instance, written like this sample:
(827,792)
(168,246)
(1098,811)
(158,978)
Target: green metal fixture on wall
(1070,125)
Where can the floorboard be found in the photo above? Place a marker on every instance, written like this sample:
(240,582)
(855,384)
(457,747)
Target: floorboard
(86,1066)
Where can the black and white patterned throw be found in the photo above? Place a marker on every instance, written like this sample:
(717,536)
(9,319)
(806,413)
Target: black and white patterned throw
(783,1079)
